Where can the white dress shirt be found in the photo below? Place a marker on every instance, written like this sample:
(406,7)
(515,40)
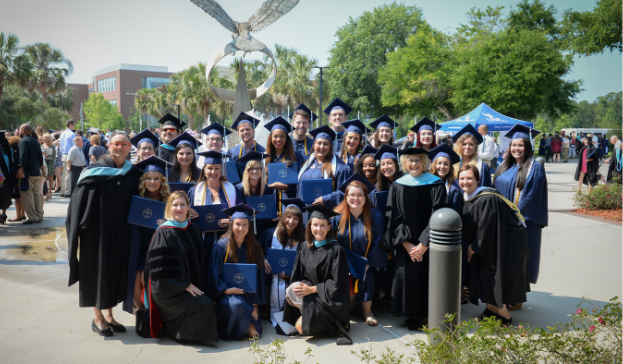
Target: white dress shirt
(486,148)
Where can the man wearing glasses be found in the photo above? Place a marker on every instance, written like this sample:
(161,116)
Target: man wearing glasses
(171,128)
(213,141)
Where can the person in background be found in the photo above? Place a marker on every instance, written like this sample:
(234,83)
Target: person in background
(542,142)
(496,155)
(86,145)
(556,146)
(20,215)
(58,163)
(49,155)
(572,143)
(565,147)
(409,142)
(603,146)
(337,112)
(615,161)
(7,167)
(29,173)
(487,148)
(96,151)
(588,165)
(171,129)
(300,123)
(75,161)
(66,142)
(548,147)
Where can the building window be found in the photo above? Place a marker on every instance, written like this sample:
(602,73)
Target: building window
(107,84)
(113,102)
(154,82)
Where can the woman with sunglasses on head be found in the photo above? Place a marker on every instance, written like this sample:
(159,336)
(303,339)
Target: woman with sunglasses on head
(97,224)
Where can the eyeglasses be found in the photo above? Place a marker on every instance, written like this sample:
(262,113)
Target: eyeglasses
(214,140)
(356,196)
(169,130)
(255,169)
(120,145)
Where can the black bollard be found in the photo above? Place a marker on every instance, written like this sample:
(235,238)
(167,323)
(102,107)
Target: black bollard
(444,289)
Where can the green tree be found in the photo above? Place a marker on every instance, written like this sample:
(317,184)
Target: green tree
(50,69)
(63,100)
(535,16)
(101,114)
(14,68)
(360,52)
(592,32)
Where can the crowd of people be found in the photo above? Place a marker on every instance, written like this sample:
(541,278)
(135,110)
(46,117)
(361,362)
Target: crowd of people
(373,213)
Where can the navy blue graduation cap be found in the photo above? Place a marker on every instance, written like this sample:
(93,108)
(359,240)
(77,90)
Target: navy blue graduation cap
(307,110)
(145,136)
(359,178)
(153,164)
(444,150)
(240,211)
(169,119)
(320,212)
(413,151)
(212,157)
(338,104)
(387,152)
(356,126)
(278,123)
(519,131)
(468,129)
(323,132)
(252,156)
(425,124)
(185,138)
(297,202)
(369,150)
(216,128)
(385,121)
(245,118)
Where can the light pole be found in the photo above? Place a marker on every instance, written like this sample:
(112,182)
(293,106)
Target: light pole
(178,110)
(320,113)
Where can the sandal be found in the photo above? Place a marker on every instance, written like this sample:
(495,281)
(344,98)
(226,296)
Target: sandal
(486,313)
(514,306)
(370,319)
(505,322)
(465,295)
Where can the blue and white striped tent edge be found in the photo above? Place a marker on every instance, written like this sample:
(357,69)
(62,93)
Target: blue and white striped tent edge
(483,114)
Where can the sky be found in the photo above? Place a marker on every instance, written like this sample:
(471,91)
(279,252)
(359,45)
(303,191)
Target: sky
(177,33)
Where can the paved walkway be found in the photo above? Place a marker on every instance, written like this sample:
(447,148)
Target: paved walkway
(40,320)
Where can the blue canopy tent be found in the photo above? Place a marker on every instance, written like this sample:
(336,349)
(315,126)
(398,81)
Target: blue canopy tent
(483,114)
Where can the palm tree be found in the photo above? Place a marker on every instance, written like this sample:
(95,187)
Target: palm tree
(63,100)
(14,67)
(142,102)
(50,67)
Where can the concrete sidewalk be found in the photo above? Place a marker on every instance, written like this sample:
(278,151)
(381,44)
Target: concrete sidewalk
(40,320)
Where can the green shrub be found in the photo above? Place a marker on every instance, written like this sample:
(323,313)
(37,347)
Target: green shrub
(601,197)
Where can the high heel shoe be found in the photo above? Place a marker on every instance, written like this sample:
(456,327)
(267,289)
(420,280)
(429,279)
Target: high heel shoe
(3,218)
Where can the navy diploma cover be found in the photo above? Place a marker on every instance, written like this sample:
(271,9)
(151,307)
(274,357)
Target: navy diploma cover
(146,212)
(243,276)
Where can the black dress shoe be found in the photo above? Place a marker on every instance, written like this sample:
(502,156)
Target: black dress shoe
(116,327)
(140,314)
(97,330)
(28,222)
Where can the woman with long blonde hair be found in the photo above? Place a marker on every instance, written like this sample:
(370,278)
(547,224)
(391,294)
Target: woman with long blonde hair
(253,183)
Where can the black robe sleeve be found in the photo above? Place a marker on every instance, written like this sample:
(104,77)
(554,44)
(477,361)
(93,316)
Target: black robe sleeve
(79,216)
(397,231)
(166,269)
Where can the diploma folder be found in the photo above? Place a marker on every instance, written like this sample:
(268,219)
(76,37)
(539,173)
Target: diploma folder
(146,212)
(381,200)
(180,186)
(232,172)
(281,261)
(209,215)
(278,172)
(356,265)
(264,205)
(243,276)
(311,189)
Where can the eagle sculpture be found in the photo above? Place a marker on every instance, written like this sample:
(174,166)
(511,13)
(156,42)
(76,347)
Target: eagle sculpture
(268,13)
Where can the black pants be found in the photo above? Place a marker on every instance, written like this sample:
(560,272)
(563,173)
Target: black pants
(75,174)
(548,153)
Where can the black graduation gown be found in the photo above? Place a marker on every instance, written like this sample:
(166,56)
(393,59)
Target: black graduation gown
(407,214)
(592,167)
(194,176)
(167,155)
(614,168)
(96,222)
(327,269)
(176,259)
(499,269)
(6,192)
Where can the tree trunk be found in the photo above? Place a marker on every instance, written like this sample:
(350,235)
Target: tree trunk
(444,110)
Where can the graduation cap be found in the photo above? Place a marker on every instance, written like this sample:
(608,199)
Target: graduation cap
(307,110)
(185,138)
(468,129)
(519,131)
(425,124)
(212,157)
(355,126)
(323,132)
(51,131)
(216,128)
(414,151)
(279,123)
(338,104)
(385,121)
(252,156)
(444,150)
(145,136)
(153,164)
(369,150)
(169,119)
(245,118)
(359,178)
(240,211)
(387,152)
(296,202)
(320,212)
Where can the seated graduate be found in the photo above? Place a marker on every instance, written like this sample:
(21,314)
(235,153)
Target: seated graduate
(353,141)
(317,300)
(176,266)
(185,163)
(466,141)
(153,185)
(359,228)
(498,250)
(443,163)
(145,143)
(212,189)
(238,310)
(288,235)
(411,202)
(366,164)
(323,163)
(253,183)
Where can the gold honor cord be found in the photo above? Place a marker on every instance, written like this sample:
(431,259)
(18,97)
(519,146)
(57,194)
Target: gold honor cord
(350,242)
(242,146)
(226,253)
(189,177)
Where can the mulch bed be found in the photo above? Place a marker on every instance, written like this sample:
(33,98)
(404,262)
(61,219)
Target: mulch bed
(614,215)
